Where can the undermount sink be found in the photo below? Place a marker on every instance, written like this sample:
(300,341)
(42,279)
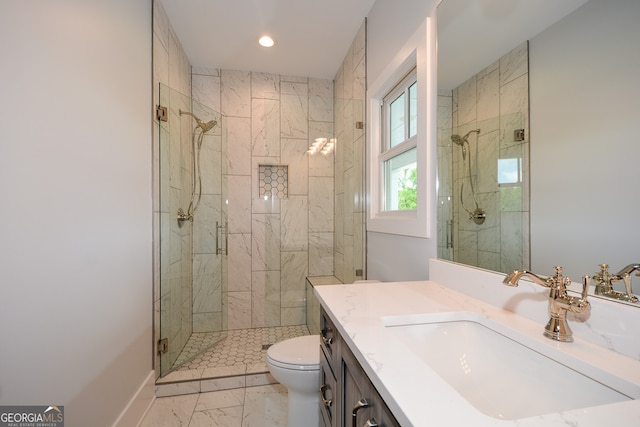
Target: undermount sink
(496,370)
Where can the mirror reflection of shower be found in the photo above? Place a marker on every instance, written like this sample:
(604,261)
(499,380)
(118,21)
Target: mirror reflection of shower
(478,215)
(196,194)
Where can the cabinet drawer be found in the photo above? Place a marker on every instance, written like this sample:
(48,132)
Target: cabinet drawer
(329,341)
(362,405)
(328,393)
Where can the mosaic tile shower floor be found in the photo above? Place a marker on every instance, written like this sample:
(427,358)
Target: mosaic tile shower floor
(234,347)
(240,350)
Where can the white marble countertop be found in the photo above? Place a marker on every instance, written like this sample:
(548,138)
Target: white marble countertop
(418,396)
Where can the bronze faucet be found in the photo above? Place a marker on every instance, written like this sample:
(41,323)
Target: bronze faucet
(559,302)
(605,280)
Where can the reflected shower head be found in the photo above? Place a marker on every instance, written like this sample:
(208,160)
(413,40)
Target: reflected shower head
(205,127)
(457,139)
(460,140)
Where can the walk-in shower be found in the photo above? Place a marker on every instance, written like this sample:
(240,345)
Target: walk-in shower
(478,215)
(228,291)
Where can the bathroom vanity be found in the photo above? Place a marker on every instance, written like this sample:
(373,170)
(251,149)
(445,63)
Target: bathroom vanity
(421,353)
(348,398)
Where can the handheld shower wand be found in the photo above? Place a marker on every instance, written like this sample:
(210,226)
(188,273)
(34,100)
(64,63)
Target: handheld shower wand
(205,127)
(478,215)
(196,194)
(457,139)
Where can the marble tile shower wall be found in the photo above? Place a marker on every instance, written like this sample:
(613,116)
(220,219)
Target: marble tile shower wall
(350,92)
(496,100)
(275,243)
(171,68)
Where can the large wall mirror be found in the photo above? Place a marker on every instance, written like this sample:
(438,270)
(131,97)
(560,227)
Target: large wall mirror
(538,135)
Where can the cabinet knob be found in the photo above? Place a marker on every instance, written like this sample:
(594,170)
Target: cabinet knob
(323,334)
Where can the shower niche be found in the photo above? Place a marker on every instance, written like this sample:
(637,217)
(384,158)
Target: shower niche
(191,138)
(273,181)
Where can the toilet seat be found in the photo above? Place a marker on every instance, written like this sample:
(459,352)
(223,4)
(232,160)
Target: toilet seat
(300,353)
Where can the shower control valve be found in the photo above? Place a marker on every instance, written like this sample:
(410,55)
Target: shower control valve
(478,216)
(182,217)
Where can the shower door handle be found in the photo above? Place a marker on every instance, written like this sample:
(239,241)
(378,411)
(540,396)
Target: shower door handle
(226,238)
(219,230)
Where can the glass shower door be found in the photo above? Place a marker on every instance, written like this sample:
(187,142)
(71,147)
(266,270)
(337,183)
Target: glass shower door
(491,174)
(192,231)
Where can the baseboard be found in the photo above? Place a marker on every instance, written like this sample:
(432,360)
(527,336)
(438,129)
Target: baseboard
(139,404)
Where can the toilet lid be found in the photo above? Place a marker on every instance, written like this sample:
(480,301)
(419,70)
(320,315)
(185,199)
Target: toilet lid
(300,351)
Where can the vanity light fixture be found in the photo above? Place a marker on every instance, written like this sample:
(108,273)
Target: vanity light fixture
(266,41)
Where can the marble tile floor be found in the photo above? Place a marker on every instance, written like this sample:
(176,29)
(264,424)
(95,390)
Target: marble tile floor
(237,360)
(260,406)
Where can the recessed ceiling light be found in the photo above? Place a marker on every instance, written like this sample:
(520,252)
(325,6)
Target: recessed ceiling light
(266,41)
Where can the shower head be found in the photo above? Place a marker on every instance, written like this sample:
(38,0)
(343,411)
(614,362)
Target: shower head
(460,140)
(205,127)
(457,139)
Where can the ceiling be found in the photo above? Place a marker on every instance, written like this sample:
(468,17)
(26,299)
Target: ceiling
(312,36)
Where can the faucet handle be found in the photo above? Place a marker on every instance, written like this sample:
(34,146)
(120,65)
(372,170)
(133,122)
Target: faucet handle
(626,279)
(604,270)
(586,281)
(560,282)
(603,275)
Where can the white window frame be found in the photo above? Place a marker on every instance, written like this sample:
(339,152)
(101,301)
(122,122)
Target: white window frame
(386,151)
(417,222)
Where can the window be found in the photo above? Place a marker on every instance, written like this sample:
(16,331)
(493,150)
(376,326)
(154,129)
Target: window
(401,141)
(510,184)
(398,153)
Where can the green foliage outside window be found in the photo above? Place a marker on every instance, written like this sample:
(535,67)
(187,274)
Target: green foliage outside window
(408,193)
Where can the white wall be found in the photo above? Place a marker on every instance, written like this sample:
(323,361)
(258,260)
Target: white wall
(585,143)
(390,26)
(75,173)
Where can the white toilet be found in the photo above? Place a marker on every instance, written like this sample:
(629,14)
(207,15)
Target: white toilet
(295,363)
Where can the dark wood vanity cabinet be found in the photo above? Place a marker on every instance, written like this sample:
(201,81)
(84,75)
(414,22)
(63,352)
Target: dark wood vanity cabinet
(348,398)
(329,372)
